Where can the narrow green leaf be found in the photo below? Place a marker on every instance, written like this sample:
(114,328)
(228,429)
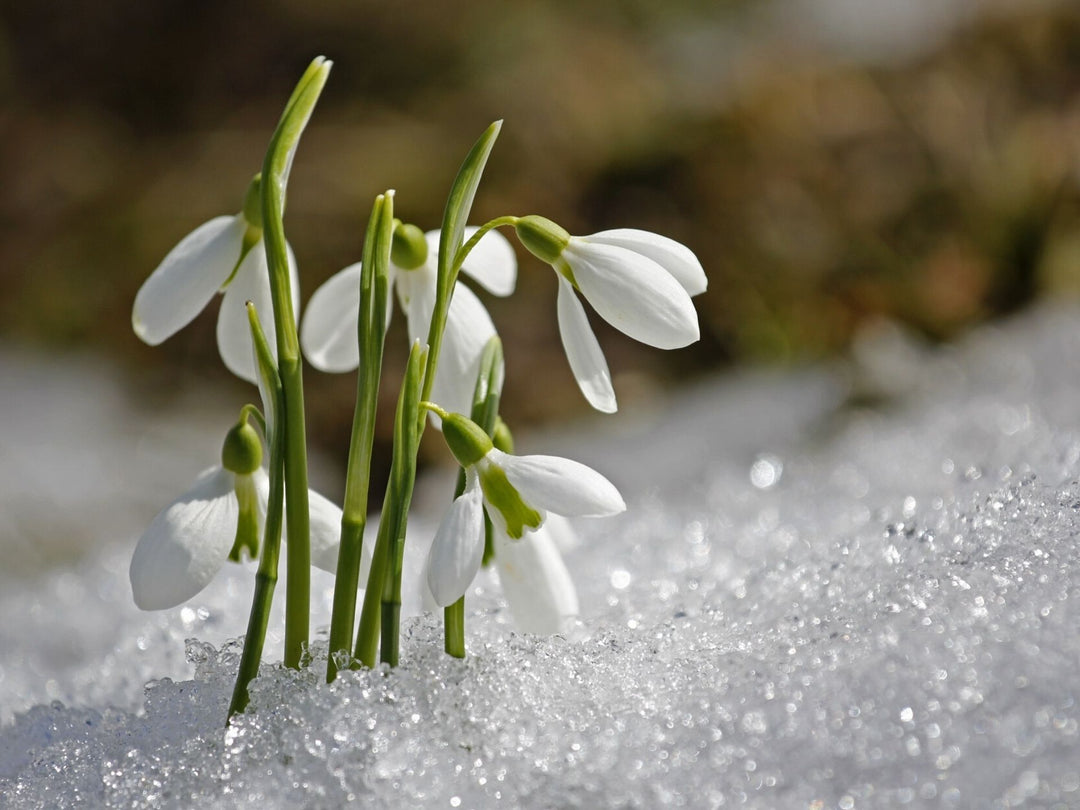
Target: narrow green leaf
(459,203)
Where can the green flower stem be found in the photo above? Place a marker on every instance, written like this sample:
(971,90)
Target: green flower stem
(402,478)
(382,598)
(466,249)
(266,577)
(249,411)
(367,633)
(374,282)
(385,576)
(275,175)
(454,628)
(485,413)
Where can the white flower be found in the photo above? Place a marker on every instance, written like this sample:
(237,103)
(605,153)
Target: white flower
(534,578)
(639,282)
(207,261)
(516,492)
(191,538)
(328,333)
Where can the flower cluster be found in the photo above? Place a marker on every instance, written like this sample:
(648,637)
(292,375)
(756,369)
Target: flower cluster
(509,508)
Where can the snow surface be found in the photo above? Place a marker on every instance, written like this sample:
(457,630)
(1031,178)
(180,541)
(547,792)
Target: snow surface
(811,603)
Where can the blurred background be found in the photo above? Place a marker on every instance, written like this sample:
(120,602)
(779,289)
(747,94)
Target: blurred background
(835,164)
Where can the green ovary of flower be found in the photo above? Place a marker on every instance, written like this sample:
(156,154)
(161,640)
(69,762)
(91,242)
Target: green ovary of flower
(241,453)
(466,439)
(409,248)
(501,494)
(543,238)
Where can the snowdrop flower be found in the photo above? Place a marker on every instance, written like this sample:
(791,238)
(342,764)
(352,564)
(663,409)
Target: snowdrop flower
(516,492)
(639,282)
(225,255)
(220,517)
(328,331)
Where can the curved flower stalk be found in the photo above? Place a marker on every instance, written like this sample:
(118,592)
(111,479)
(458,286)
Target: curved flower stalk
(218,518)
(639,282)
(328,330)
(223,255)
(516,492)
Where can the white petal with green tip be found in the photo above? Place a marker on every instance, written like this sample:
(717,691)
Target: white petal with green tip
(559,485)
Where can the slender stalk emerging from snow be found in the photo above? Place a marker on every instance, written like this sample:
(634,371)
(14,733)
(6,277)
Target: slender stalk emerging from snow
(266,577)
(275,176)
(374,281)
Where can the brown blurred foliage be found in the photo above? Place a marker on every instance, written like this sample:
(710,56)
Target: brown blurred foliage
(819,189)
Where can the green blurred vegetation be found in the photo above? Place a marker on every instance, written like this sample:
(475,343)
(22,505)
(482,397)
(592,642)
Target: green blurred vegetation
(821,191)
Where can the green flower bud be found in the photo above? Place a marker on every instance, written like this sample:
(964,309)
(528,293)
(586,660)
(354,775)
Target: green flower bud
(409,248)
(241,452)
(253,203)
(543,238)
(466,439)
(500,494)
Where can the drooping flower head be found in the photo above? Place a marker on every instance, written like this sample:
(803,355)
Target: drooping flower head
(224,255)
(328,333)
(516,492)
(219,518)
(639,282)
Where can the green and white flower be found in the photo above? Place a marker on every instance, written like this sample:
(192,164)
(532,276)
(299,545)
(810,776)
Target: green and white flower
(224,255)
(517,492)
(328,330)
(218,518)
(639,282)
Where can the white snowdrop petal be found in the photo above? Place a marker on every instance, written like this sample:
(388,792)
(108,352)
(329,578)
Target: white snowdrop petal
(562,532)
(187,279)
(324,524)
(536,583)
(583,351)
(458,547)
(675,257)
(251,283)
(468,329)
(559,485)
(492,262)
(186,544)
(416,294)
(634,294)
(325,531)
(328,331)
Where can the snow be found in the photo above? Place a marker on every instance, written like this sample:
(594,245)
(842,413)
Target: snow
(850,587)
